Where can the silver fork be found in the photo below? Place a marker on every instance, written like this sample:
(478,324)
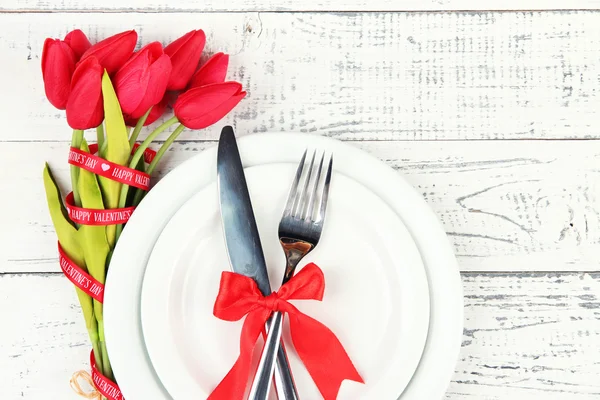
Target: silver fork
(299,233)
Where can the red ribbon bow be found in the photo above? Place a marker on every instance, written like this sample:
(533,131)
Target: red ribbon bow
(317,346)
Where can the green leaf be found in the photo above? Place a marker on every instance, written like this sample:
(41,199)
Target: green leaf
(68,236)
(93,238)
(65,229)
(117,148)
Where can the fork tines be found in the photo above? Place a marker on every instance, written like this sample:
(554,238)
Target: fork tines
(308,196)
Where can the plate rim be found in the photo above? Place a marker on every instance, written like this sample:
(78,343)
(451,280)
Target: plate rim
(434,372)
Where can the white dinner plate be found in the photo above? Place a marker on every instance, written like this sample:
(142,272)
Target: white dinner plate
(125,340)
(376,298)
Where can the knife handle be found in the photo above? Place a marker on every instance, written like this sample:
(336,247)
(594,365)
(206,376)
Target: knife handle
(284,381)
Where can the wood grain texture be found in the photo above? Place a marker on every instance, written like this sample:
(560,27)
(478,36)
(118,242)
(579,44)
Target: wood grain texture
(355,76)
(290,5)
(506,205)
(527,336)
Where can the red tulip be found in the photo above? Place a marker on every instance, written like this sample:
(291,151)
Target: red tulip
(200,107)
(142,81)
(78,42)
(185,54)
(85,108)
(157,111)
(114,51)
(58,64)
(213,71)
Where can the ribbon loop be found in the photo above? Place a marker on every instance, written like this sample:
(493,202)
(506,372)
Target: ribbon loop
(317,346)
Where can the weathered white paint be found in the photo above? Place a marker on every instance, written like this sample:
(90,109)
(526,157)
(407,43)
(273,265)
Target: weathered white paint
(527,336)
(377,76)
(291,5)
(506,205)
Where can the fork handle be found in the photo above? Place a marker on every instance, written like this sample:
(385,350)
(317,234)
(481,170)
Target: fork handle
(284,381)
(266,366)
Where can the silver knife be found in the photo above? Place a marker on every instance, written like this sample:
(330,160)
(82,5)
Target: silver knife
(243,243)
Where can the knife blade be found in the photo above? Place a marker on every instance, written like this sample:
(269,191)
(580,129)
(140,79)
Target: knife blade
(239,225)
(243,242)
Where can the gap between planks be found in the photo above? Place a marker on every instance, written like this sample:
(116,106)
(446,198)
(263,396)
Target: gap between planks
(151,6)
(524,338)
(506,205)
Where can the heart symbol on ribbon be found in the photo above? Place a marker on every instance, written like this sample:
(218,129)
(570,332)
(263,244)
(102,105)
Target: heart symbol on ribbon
(105,167)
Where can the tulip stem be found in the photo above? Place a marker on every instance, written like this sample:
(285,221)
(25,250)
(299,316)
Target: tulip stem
(136,158)
(138,128)
(163,149)
(98,354)
(106,368)
(102,150)
(76,140)
(140,150)
(92,327)
(100,138)
(139,195)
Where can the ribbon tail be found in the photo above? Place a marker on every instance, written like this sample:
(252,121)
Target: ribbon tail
(233,386)
(322,354)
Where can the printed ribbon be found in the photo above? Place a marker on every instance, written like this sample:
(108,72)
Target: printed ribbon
(104,385)
(110,170)
(80,278)
(89,216)
(317,346)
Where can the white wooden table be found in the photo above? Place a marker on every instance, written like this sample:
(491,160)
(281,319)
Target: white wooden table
(494,115)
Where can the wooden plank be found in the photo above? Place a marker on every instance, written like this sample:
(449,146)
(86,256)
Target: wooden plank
(355,76)
(527,336)
(45,340)
(290,5)
(506,205)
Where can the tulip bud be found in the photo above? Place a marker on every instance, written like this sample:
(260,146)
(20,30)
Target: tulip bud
(85,108)
(203,106)
(58,64)
(113,51)
(213,71)
(185,54)
(142,81)
(78,42)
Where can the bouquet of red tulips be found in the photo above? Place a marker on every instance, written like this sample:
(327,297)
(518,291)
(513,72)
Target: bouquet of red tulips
(115,90)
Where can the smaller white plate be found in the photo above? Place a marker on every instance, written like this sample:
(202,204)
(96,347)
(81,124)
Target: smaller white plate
(376,297)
